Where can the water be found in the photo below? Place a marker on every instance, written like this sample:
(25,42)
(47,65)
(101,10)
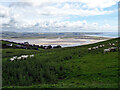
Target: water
(107,34)
(75,42)
(110,34)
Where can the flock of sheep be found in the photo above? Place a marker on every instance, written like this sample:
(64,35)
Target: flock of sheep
(96,47)
(22,57)
(111,49)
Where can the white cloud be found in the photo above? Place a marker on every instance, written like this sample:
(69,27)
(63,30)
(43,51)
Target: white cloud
(88,3)
(108,28)
(52,14)
(99,3)
(4,11)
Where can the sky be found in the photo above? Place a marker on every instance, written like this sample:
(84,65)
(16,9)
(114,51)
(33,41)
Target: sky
(59,15)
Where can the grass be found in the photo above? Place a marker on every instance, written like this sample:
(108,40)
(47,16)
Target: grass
(72,67)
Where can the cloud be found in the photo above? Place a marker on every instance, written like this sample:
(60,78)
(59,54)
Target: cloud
(53,14)
(70,7)
(66,10)
(87,3)
(20,4)
(99,3)
(4,11)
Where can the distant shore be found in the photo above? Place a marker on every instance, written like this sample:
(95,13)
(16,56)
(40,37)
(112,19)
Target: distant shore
(64,42)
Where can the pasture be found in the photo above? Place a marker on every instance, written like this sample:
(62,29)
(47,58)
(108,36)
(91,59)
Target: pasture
(71,67)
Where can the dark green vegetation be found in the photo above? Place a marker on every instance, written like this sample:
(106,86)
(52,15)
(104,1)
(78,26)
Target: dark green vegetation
(72,67)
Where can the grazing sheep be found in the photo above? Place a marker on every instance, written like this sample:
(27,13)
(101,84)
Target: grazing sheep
(113,49)
(100,46)
(15,57)
(11,59)
(113,44)
(94,48)
(24,56)
(110,44)
(106,50)
(89,49)
(31,56)
(19,58)
(97,47)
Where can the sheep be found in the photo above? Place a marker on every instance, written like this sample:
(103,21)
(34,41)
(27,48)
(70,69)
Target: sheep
(31,55)
(100,46)
(11,59)
(103,45)
(24,56)
(113,44)
(106,50)
(19,58)
(113,49)
(97,47)
(89,49)
(15,57)
(94,48)
(110,44)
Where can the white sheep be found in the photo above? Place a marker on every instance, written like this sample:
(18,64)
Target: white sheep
(97,47)
(19,58)
(110,44)
(94,48)
(103,45)
(106,50)
(113,48)
(113,44)
(11,59)
(89,49)
(24,56)
(31,56)
(15,57)
(100,45)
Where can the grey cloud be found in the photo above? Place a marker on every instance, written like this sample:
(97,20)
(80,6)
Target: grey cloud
(2,16)
(11,23)
(20,4)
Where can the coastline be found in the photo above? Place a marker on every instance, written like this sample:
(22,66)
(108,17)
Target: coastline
(64,42)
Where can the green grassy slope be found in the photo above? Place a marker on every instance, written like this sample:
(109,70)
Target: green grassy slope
(72,67)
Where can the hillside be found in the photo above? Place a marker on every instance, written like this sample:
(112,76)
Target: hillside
(72,67)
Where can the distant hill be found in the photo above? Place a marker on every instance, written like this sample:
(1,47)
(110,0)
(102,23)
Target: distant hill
(44,35)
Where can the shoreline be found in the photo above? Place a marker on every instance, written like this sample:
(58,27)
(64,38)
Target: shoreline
(64,42)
